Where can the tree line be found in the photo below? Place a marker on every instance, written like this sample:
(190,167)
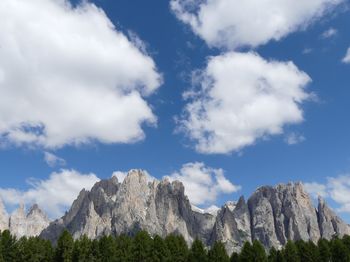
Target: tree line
(144,248)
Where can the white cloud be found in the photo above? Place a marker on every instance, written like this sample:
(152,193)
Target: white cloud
(55,194)
(346,59)
(68,76)
(331,32)
(233,23)
(242,98)
(294,138)
(307,51)
(336,188)
(316,189)
(52,160)
(121,175)
(203,184)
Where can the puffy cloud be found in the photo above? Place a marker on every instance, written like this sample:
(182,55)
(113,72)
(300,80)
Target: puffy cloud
(316,189)
(346,59)
(294,138)
(68,76)
(336,188)
(233,23)
(52,160)
(331,32)
(203,184)
(241,98)
(55,194)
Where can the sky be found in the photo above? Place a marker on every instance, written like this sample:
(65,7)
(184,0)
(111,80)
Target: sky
(223,95)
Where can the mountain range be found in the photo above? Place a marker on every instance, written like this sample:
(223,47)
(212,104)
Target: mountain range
(272,215)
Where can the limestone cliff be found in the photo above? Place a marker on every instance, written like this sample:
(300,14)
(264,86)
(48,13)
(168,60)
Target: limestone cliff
(272,214)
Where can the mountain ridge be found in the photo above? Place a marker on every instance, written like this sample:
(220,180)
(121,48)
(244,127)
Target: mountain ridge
(272,214)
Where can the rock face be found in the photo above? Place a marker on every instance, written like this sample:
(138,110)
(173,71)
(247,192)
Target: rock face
(160,207)
(272,214)
(232,225)
(330,224)
(30,224)
(281,213)
(4,217)
(22,224)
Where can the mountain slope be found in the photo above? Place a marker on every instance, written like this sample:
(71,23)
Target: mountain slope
(272,214)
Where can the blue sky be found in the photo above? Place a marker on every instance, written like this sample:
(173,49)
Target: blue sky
(319,144)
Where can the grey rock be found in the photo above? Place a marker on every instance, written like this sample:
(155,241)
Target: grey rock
(232,226)
(30,224)
(4,217)
(160,207)
(272,215)
(330,224)
(281,213)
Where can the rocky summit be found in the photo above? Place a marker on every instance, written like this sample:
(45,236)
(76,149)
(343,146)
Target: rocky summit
(20,223)
(271,215)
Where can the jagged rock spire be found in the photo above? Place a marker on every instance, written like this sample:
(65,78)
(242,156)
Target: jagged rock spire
(272,214)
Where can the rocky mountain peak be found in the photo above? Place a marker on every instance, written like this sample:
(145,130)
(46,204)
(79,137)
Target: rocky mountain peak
(32,223)
(272,214)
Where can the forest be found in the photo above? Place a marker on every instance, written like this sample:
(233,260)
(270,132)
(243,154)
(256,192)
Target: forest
(143,247)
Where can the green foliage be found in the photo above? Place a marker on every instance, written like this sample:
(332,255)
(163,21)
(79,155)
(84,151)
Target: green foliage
(218,253)
(64,249)
(324,250)
(339,252)
(142,247)
(246,254)
(82,251)
(197,252)
(178,248)
(160,251)
(145,248)
(8,247)
(234,257)
(290,252)
(259,254)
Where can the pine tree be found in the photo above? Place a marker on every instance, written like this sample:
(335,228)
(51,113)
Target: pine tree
(272,257)
(82,251)
(160,251)
(197,252)
(324,250)
(246,254)
(8,246)
(218,253)
(178,248)
(290,252)
(259,254)
(234,257)
(346,241)
(306,252)
(124,246)
(64,249)
(339,252)
(142,247)
(107,249)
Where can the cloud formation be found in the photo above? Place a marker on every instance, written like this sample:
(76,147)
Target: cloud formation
(232,23)
(68,76)
(55,194)
(336,189)
(52,160)
(240,98)
(294,138)
(203,184)
(329,33)
(346,58)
